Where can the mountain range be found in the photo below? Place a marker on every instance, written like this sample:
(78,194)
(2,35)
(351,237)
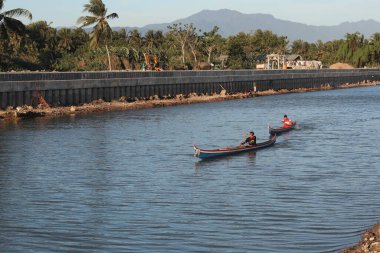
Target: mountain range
(231,22)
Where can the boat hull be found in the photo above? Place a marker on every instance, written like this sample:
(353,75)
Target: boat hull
(206,154)
(280,130)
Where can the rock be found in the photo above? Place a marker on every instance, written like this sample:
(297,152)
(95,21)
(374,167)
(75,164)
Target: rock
(97,102)
(43,106)
(369,242)
(223,93)
(375,247)
(72,109)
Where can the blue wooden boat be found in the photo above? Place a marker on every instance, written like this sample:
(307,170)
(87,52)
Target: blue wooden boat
(280,130)
(205,154)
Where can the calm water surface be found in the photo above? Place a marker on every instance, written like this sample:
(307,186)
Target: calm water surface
(128,181)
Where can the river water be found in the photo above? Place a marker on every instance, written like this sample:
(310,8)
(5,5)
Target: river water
(128,182)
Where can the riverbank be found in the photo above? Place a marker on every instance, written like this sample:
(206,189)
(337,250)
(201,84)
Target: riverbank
(369,243)
(45,110)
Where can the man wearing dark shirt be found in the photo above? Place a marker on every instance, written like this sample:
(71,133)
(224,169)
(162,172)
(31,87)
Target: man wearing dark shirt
(251,140)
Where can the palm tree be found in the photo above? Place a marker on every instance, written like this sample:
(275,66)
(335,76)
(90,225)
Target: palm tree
(353,49)
(135,39)
(8,24)
(102,31)
(300,47)
(149,40)
(375,48)
(65,38)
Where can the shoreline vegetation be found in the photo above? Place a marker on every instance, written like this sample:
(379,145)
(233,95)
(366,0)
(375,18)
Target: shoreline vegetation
(94,46)
(369,243)
(45,110)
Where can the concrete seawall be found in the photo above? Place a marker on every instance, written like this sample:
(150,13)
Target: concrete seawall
(75,88)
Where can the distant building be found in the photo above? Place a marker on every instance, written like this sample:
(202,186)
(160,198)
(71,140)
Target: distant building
(292,61)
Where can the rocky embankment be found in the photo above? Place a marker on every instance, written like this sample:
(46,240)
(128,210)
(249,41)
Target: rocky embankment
(45,110)
(369,243)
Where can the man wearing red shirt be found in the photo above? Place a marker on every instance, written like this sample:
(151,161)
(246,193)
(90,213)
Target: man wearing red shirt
(286,122)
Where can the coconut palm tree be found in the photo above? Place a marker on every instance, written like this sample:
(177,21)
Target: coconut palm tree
(149,40)
(8,24)
(65,39)
(102,32)
(351,50)
(375,48)
(135,39)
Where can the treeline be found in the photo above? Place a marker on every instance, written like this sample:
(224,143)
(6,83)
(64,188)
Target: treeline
(39,46)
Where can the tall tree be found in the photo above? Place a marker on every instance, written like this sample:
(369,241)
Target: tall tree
(211,42)
(102,32)
(194,43)
(65,39)
(300,47)
(149,40)
(267,42)
(11,30)
(237,53)
(375,48)
(153,40)
(135,43)
(43,38)
(182,35)
(135,39)
(9,24)
(79,37)
(355,50)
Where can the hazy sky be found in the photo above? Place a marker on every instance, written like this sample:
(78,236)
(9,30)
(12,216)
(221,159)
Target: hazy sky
(143,12)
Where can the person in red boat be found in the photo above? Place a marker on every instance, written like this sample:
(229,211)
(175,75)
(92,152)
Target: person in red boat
(251,140)
(286,122)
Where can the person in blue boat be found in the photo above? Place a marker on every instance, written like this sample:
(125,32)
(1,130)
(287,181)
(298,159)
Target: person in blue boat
(251,140)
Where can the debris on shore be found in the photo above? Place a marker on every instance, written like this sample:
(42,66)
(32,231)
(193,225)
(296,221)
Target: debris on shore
(369,243)
(30,114)
(45,110)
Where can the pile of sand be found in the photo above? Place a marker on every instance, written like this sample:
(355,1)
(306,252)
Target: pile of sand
(340,65)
